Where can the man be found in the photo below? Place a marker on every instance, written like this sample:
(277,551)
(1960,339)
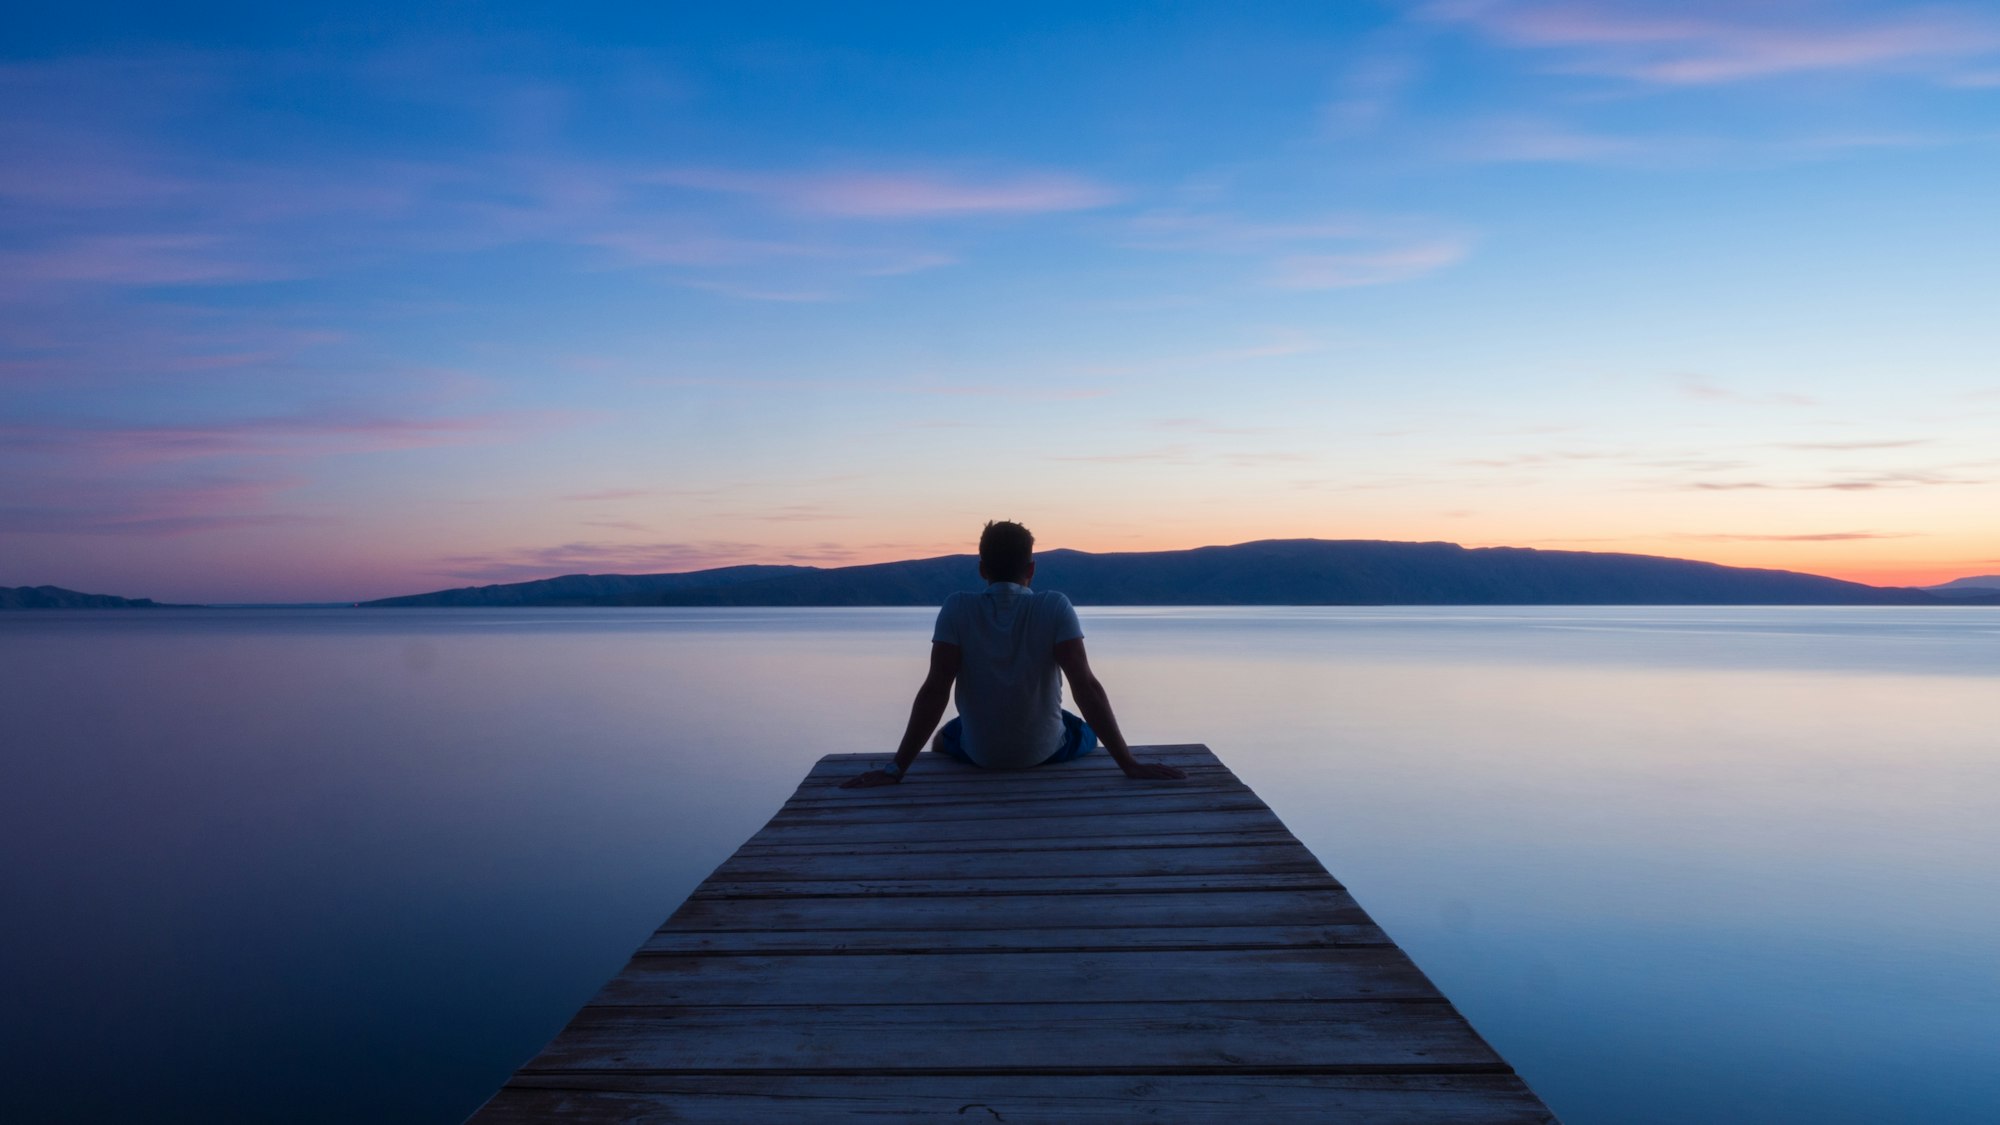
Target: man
(1004,648)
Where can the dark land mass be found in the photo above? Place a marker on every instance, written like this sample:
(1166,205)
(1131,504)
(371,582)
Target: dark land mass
(55,597)
(1978,586)
(599,589)
(1270,572)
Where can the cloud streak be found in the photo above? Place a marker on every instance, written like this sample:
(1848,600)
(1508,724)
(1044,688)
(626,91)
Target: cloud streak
(1333,252)
(1701,387)
(1702,44)
(1815,537)
(295,435)
(897,195)
(1845,484)
(1353,269)
(597,557)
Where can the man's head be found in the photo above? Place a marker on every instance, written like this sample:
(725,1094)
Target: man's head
(1006,552)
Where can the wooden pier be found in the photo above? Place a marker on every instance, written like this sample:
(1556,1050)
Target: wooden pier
(1055,945)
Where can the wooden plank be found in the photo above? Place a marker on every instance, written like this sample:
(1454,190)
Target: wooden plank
(916,794)
(1425,1099)
(1103,806)
(1097,759)
(1064,776)
(1013,843)
(1129,1037)
(1021,827)
(1001,912)
(1019,940)
(930,765)
(929,772)
(1286,856)
(1019,885)
(1368,973)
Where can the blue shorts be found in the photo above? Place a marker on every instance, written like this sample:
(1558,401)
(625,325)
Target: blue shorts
(1078,740)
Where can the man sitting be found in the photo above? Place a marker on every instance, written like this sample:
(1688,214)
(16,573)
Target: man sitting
(1004,648)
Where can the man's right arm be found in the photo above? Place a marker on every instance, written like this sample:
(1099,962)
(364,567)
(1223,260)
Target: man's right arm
(1095,703)
(925,711)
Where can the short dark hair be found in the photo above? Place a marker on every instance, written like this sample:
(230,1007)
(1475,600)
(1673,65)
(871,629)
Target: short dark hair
(1006,551)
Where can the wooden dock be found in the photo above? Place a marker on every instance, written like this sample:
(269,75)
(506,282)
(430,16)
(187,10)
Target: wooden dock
(1061,944)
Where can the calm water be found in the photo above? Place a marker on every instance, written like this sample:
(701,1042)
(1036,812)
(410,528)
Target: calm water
(340,865)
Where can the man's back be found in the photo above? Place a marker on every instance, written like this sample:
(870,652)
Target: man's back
(1009,686)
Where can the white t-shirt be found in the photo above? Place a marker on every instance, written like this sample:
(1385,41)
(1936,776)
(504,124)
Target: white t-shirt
(1009,687)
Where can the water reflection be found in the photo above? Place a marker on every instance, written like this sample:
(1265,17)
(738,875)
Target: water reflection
(1714,864)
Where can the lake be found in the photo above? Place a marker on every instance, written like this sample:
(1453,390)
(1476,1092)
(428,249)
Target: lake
(1676,864)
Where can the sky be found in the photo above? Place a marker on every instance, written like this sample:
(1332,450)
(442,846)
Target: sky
(309,303)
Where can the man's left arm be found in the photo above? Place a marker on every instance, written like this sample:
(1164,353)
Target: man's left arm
(1095,703)
(925,711)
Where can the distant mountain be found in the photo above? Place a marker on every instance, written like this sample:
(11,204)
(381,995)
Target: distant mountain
(590,589)
(55,597)
(1270,572)
(1981,585)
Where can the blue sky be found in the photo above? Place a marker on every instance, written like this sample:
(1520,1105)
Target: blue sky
(338,304)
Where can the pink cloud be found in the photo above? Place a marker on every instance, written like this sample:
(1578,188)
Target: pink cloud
(299,435)
(1052,394)
(1701,44)
(1519,140)
(138,259)
(900,195)
(630,558)
(1367,267)
(100,505)
(1701,387)
(1329,252)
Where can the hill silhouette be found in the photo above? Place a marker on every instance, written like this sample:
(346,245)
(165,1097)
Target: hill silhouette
(592,589)
(55,597)
(1268,572)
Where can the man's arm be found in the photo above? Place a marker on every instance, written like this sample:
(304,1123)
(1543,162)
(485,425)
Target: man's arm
(925,712)
(1095,703)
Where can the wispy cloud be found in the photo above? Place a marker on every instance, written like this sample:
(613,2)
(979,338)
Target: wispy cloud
(587,557)
(1853,446)
(760,292)
(1207,426)
(1693,44)
(1521,139)
(1367,267)
(999,390)
(1325,252)
(1371,89)
(1859,483)
(1702,387)
(154,506)
(167,479)
(866,194)
(795,513)
(1537,460)
(148,259)
(290,436)
(1168,454)
(1813,537)
(1183,454)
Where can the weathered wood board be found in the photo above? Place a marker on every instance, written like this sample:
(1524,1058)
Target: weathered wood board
(1059,944)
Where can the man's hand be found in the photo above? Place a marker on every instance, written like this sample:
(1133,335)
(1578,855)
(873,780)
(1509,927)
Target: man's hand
(1152,771)
(870,780)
